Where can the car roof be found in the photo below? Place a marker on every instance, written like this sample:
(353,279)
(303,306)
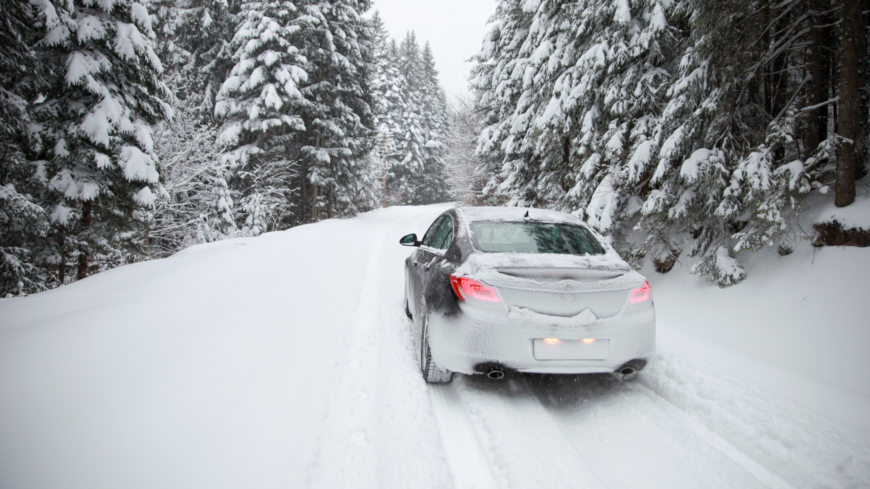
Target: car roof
(515,214)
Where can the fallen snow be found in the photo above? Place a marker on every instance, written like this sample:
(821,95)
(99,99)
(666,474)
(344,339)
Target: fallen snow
(856,215)
(286,361)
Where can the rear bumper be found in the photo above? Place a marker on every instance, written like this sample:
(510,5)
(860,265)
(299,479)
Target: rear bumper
(473,339)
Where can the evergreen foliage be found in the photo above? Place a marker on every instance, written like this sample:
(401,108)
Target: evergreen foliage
(680,125)
(122,140)
(413,123)
(97,114)
(23,221)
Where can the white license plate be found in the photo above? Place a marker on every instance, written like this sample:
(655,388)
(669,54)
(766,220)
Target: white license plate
(559,349)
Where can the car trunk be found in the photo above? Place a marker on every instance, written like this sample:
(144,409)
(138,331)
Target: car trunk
(564,292)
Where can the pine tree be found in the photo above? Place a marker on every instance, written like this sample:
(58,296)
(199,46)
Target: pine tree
(336,107)
(23,221)
(436,125)
(259,103)
(98,112)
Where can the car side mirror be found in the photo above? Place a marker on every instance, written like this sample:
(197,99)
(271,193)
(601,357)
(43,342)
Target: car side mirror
(409,240)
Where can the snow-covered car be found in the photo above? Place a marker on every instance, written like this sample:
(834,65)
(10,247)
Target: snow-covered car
(491,289)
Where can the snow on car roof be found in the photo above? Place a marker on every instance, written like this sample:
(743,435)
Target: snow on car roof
(472,214)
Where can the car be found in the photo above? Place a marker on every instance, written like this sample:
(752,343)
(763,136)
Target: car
(496,289)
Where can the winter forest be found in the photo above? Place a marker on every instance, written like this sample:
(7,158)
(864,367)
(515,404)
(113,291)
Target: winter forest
(131,130)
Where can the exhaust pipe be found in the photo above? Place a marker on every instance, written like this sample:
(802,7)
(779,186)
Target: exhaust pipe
(627,372)
(495,373)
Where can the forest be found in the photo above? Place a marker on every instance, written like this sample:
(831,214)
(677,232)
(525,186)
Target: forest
(678,127)
(133,129)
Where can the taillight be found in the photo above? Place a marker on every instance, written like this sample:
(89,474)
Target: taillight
(641,293)
(467,288)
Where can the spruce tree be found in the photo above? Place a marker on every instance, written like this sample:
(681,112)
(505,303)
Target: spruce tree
(98,111)
(23,221)
(259,103)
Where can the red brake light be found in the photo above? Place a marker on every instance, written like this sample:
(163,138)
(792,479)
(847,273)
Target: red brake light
(467,288)
(640,294)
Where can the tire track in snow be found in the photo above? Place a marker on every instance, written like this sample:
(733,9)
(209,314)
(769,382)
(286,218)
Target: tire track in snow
(379,430)
(345,453)
(527,449)
(468,464)
(783,443)
(713,439)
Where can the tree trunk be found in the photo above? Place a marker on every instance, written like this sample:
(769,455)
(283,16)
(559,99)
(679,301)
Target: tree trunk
(84,224)
(847,126)
(61,272)
(819,71)
(861,150)
(331,202)
(303,180)
(566,163)
(316,208)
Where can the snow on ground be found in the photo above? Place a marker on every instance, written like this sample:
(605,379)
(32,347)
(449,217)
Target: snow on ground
(286,361)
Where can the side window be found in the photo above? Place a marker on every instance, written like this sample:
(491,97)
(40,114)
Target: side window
(444,236)
(430,234)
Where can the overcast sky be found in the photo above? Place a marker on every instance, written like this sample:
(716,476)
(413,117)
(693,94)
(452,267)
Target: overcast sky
(454,28)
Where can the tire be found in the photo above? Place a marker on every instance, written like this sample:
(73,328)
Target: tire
(432,373)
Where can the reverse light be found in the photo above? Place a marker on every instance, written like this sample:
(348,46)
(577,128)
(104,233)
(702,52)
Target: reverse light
(641,293)
(467,288)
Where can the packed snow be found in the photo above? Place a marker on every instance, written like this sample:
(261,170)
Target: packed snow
(286,360)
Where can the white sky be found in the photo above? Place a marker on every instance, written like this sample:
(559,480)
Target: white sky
(454,29)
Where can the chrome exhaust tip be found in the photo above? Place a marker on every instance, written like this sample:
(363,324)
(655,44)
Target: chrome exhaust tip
(627,371)
(495,373)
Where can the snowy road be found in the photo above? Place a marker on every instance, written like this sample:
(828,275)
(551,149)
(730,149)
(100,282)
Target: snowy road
(287,361)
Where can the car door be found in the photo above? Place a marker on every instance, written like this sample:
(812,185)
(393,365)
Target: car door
(431,258)
(415,270)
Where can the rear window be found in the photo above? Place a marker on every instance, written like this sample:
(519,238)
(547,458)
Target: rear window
(534,237)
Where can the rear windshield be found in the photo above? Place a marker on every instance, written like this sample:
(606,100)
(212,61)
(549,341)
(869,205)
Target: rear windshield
(534,237)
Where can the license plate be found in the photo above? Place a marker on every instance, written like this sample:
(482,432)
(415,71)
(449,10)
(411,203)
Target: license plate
(560,349)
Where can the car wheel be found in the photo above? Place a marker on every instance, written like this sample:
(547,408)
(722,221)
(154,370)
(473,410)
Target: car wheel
(408,310)
(432,373)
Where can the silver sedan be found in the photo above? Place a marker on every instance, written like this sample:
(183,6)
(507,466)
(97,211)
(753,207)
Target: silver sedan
(491,289)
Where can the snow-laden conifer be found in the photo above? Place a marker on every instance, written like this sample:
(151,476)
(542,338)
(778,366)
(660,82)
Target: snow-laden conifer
(98,114)
(23,221)
(259,103)
(336,107)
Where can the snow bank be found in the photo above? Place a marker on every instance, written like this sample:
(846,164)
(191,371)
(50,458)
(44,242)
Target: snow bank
(804,313)
(856,215)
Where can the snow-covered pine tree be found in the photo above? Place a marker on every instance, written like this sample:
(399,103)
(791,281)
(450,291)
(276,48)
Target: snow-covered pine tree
(333,150)
(388,102)
(194,44)
(23,222)
(405,163)
(259,103)
(415,124)
(98,112)
(497,82)
(436,124)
